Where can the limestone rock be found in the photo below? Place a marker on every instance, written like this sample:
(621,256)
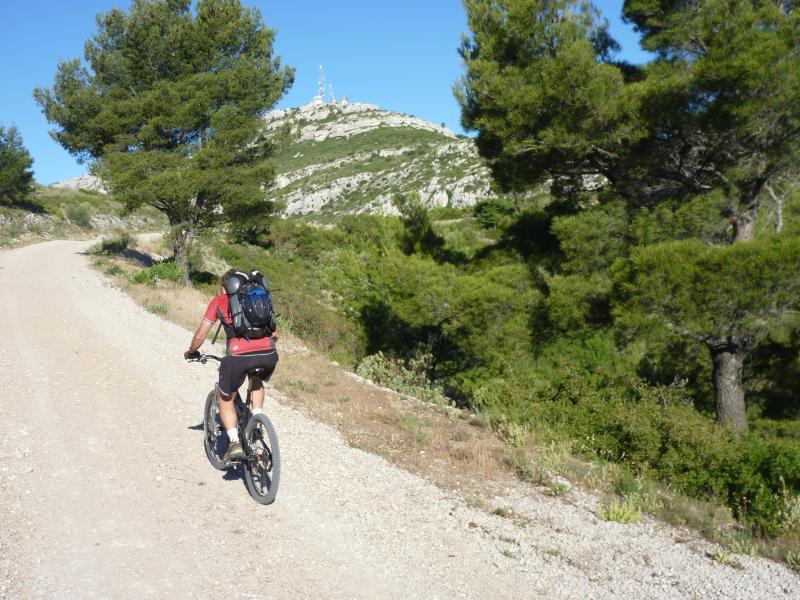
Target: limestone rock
(82,182)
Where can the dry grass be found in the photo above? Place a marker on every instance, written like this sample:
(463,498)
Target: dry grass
(420,438)
(183,306)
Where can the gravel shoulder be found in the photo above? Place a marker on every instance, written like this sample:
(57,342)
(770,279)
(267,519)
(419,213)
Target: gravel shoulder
(106,492)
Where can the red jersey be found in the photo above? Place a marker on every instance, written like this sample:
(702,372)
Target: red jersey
(236,345)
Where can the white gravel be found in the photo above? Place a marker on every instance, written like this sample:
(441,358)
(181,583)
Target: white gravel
(105,491)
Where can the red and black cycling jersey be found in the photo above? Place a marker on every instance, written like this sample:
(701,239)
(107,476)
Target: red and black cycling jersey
(220,307)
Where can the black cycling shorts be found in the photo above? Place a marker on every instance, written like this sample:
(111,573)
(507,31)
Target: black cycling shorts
(233,369)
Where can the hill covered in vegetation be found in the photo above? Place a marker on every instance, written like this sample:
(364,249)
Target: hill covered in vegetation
(58,213)
(341,158)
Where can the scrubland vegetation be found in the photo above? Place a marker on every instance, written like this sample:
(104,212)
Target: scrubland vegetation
(470,310)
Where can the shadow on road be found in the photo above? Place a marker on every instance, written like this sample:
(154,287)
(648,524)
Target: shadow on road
(235,472)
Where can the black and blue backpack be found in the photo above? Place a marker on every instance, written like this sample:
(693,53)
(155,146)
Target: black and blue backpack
(252,313)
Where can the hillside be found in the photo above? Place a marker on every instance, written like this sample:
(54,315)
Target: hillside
(74,209)
(341,158)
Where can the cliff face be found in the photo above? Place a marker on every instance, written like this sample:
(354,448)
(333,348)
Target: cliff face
(342,158)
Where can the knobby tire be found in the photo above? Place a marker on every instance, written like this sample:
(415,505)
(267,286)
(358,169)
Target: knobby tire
(262,475)
(215,439)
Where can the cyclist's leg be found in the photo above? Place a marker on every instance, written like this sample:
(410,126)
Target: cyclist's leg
(267,364)
(256,391)
(232,373)
(227,411)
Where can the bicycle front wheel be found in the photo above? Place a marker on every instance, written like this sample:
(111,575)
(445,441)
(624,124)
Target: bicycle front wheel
(263,465)
(215,439)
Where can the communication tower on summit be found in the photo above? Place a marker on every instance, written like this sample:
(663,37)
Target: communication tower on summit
(320,97)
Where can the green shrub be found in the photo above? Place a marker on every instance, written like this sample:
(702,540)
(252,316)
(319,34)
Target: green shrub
(743,543)
(13,230)
(521,333)
(158,308)
(723,557)
(494,213)
(80,214)
(653,432)
(621,512)
(558,488)
(417,428)
(793,559)
(117,243)
(163,271)
(408,378)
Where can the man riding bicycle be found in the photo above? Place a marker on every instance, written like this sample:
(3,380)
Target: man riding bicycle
(242,356)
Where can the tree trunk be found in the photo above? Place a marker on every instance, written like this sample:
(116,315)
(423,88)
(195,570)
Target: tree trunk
(180,244)
(728,360)
(744,225)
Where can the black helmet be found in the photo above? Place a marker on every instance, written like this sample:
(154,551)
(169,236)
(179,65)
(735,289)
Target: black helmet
(233,280)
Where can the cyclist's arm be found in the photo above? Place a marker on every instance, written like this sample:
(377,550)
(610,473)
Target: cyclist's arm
(200,335)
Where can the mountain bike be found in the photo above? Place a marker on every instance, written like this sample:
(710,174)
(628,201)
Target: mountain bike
(262,460)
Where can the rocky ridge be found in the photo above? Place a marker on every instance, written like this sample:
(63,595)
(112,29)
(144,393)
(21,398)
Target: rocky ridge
(82,182)
(342,158)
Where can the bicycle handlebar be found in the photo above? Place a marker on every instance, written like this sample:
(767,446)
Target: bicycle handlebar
(204,358)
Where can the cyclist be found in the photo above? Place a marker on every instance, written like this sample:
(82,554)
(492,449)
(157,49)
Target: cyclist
(241,356)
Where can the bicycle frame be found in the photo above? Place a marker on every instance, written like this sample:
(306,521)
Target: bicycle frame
(261,463)
(243,407)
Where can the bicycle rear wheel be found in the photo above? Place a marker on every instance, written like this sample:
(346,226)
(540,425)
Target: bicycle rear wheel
(215,439)
(262,468)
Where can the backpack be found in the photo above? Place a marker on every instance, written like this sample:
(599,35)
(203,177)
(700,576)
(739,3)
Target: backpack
(252,312)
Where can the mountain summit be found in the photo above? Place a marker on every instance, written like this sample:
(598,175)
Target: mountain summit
(340,158)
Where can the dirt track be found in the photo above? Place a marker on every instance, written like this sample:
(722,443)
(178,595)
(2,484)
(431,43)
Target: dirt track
(105,491)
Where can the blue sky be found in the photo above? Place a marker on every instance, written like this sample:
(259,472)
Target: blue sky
(401,56)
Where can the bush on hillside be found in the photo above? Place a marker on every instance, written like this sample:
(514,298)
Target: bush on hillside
(80,214)
(117,243)
(163,271)
(657,432)
(407,377)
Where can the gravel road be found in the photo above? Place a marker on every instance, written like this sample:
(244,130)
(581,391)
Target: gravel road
(105,491)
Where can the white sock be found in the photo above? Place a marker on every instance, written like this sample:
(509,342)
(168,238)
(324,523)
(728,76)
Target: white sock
(233,435)
(257,411)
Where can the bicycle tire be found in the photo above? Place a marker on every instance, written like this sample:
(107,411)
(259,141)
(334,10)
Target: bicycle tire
(262,474)
(215,439)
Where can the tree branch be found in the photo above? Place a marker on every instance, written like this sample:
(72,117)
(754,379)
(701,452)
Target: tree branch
(778,206)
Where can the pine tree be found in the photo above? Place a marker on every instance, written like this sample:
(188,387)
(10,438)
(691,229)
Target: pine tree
(168,110)
(16,176)
(713,120)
